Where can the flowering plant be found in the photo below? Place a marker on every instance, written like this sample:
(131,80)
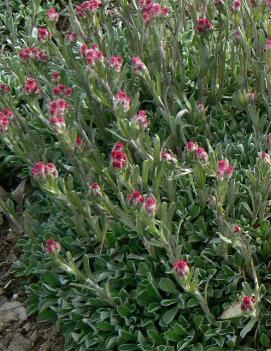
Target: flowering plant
(143,127)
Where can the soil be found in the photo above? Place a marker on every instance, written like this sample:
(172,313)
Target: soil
(17,331)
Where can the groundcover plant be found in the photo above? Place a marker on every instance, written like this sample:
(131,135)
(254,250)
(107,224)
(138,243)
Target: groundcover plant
(143,127)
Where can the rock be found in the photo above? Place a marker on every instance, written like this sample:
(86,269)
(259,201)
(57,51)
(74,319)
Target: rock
(19,343)
(12,311)
(3,300)
(27,327)
(33,337)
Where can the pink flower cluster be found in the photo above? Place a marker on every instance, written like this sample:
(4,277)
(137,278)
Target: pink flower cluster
(150,204)
(42,170)
(5,116)
(116,62)
(181,267)
(52,246)
(53,15)
(43,34)
(88,7)
(236,5)
(140,119)
(71,37)
(219,3)
(4,88)
(168,156)
(92,54)
(198,151)
(62,89)
(55,75)
(151,9)
(96,190)
(224,169)
(247,303)
(28,54)
(31,86)
(79,143)
(204,25)
(268,44)
(122,100)
(138,65)
(137,200)
(118,156)
(264,156)
(58,123)
(58,107)
(237,229)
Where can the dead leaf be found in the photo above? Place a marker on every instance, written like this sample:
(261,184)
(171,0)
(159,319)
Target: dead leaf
(233,311)
(21,191)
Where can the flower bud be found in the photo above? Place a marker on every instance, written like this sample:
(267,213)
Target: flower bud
(135,199)
(247,303)
(53,15)
(52,246)
(237,229)
(96,190)
(150,204)
(181,267)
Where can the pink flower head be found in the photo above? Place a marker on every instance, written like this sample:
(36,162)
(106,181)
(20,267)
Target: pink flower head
(237,229)
(52,246)
(26,54)
(268,44)
(140,119)
(150,204)
(88,7)
(224,169)
(58,123)
(204,25)
(42,170)
(53,15)
(55,75)
(38,171)
(119,146)
(181,267)
(191,146)
(50,170)
(135,199)
(58,107)
(219,3)
(43,34)
(7,113)
(167,156)
(201,154)
(116,62)
(79,143)
(236,5)
(4,123)
(247,303)
(138,65)
(4,88)
(62,89)
(122,100)
(93,54)
(33,53)
(119,160)
(71,37)
(265,157)
(151,9)
(95,189)
(31,86)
